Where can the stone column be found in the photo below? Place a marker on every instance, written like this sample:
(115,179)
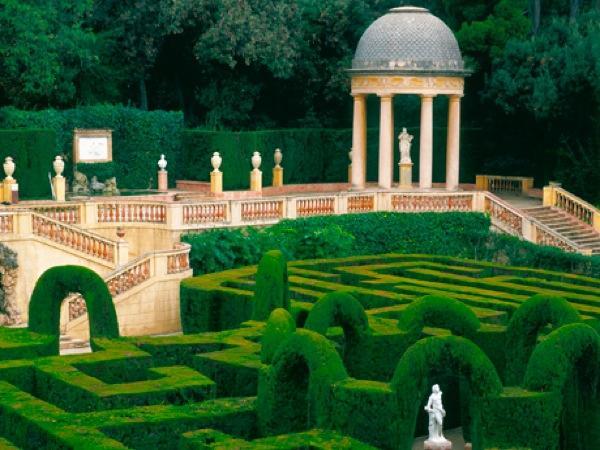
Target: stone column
(426,146)
(359,142)
(386,142)
(453,143)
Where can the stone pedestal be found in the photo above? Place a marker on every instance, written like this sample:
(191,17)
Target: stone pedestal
(163,180)
(216,182)
(437,445)
(405,175)
(60,187)
(10,190)
(256,180)
(277,176)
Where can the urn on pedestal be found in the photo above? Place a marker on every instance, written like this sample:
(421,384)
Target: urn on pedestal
(9,167)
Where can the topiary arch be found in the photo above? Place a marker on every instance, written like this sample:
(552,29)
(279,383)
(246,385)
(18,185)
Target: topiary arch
(524,326)
(439,311)
(293,393)
(412,379)
(271,290)
(57,283)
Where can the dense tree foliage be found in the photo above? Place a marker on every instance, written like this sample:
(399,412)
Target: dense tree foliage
(248,64)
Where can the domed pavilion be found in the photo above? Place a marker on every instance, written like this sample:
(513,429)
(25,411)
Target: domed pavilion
(406,51)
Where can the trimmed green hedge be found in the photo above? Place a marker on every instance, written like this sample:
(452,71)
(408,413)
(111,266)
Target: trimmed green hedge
(54,286)
(310,155)
(139,138)
(524,327)
(280,325)
(271,290)
(33,151)
(463,235)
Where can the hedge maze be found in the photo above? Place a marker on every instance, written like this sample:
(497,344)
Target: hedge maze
(322,354)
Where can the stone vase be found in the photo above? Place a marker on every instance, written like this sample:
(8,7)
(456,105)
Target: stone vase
(216,161)
(162,163)
(256,160)
(278,157)
(59,166)
(9,167)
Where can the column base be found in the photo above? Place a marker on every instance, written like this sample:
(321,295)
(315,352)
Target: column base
(277,176)
(216,182)
(256,180)
(405,175)
(163,180)
(437,445)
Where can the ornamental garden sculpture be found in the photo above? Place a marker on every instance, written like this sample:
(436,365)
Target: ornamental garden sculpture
(436,412)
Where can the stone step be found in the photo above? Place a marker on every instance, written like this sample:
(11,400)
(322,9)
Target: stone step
(67,342)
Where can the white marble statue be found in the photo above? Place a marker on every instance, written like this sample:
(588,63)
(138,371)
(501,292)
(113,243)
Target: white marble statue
(405,143)
(436,412)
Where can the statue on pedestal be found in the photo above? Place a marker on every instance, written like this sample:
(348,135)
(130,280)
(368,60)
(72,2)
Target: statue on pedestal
(436,412)
(405,143)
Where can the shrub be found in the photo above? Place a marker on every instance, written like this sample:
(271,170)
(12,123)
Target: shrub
(524,327)
(139,138)
(33,151)
(271,290)
(280,325)
(52,288)
(441,312)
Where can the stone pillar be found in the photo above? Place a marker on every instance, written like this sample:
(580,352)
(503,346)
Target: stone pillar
(453,143)
(163,180)
(60,187)
(278,170)
(359,142)
(216,176)
(256,174)
(426,146)
(386,142)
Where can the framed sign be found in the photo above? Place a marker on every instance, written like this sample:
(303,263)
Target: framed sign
(92,146)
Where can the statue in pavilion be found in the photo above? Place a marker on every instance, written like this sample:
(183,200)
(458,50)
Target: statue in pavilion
(405,143)
(436,412)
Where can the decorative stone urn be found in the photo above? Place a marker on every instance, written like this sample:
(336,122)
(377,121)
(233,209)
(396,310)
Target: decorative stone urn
(59,165)
(278,157)
(256,160)
(162,163)
(9,167)
(120,232)
(216,161)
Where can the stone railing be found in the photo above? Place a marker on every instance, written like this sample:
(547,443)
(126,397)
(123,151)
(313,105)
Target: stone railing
(204,213)
(68,213)
(6,223)
(75,238)
(500,183)
(545,236)
(435,202)
(504,216)
(162,263)
(132,212)
(262,210)
(315,206)
(361,203)
(557,197)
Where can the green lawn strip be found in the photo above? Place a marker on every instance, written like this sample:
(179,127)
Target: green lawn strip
(500,286)
(20,343)
(314,439)
(32,423)
(304,295)
(317,274)
(552,285)
(161,426)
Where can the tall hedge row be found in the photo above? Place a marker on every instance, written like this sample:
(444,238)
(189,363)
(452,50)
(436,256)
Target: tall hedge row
(139,138)
(310,155)
(33,151)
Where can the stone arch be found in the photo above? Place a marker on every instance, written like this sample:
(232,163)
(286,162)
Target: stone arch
(55,284)
(567,362)
(293,393)
(412,379)
(524,326)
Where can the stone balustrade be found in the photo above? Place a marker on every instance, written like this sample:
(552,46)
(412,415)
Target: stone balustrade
(132,212)
(6,223)
(70,214)
(204,213)
(262,210)
(501,183)
(504,216)
(557,197)
(436,202)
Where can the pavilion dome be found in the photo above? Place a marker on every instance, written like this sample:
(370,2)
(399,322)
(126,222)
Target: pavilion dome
(408,40)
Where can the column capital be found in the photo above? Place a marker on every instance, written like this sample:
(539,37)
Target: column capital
(358,95)
(385,96)
(427,97)
(455,97)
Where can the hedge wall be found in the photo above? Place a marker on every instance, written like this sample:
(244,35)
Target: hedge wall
(310,155)
(139,138)
(33,151)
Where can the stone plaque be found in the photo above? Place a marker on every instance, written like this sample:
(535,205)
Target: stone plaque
(92,146)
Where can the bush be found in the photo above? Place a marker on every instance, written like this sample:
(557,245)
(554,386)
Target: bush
(55,284)
(33,151)
(524,327)
(279,326)
(271,290)
(139,138)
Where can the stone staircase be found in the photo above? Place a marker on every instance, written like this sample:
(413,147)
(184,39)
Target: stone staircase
(568,226)
(72,346)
